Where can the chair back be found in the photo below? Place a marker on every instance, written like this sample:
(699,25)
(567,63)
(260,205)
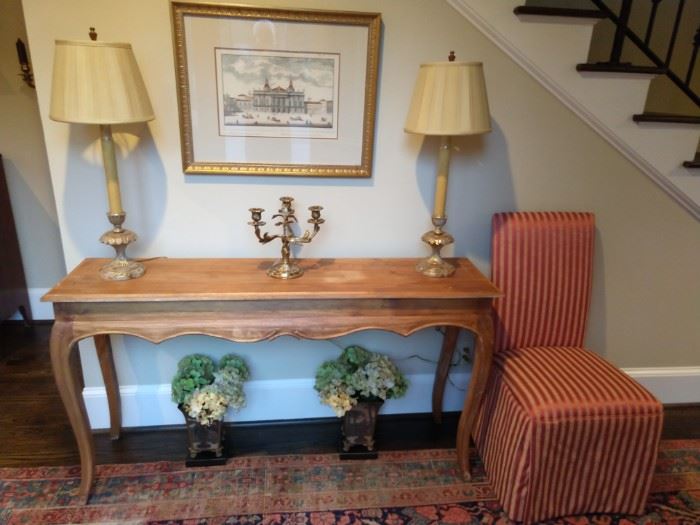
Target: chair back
(542,262)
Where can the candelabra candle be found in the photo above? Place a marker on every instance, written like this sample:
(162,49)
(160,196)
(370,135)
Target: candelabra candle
(285,267)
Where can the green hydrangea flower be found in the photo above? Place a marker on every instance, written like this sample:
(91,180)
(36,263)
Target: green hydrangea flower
(193,372)
(358,375)
(197,380)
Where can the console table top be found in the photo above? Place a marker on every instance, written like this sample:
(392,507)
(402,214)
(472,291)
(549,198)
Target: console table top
(175,279)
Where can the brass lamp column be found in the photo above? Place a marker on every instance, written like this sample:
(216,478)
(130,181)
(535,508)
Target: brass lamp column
(121,267)
(100,83)
(449,99)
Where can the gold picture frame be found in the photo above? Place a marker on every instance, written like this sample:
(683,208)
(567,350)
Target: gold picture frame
(275,92)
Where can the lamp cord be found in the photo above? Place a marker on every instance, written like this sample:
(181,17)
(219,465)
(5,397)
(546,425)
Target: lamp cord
(419,357)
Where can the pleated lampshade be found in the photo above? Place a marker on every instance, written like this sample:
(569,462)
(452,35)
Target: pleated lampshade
(97,83)
(449,98)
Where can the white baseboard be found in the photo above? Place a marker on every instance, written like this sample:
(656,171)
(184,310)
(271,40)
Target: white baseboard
(672,384)
(40,311)
(150,405)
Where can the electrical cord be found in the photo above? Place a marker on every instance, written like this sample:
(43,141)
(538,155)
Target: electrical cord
(420,358)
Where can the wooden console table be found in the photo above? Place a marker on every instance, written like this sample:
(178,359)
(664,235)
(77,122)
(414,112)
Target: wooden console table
(234,299)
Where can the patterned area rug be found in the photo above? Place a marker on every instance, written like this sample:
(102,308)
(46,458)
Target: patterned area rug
(416,487)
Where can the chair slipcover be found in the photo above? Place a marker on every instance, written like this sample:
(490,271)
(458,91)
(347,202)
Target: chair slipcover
(560,430)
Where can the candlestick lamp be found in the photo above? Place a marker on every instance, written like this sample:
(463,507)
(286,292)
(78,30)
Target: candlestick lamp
(449,99)
(100,83)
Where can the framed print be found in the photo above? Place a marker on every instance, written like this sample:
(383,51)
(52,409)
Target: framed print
(265,91)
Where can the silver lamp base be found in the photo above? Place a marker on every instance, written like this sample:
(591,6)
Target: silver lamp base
(434,265)
(121,268)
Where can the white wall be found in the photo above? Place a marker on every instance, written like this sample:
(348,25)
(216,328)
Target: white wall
(539,156)
(26,167)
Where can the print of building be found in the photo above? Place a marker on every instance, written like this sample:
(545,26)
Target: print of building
(278,99)
(277,106)
(315,107)
(237,104)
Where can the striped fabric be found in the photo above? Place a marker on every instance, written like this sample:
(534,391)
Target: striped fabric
(560,430)
(544,262)
(563,432)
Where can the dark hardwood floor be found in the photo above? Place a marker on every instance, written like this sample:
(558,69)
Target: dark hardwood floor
(34,429)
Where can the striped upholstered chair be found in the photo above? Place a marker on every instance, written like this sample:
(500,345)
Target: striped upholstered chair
(560,430)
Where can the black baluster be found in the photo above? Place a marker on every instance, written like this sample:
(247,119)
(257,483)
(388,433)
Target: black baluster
(674,34)
(652,19)
(619,41)
(693,57)
(659,65)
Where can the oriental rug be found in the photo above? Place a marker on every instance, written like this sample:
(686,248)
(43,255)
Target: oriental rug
(408,487)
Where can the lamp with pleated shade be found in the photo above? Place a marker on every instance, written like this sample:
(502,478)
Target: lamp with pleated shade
(449,98)
(100,83)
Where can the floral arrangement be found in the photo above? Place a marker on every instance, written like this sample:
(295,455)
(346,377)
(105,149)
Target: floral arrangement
(358,375)
(204,392)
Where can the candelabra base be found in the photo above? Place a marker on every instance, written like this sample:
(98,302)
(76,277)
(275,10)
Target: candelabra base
(434,265)
(285,270)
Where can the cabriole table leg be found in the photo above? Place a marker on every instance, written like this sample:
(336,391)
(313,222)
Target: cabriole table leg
(442,370)
(483,353)
(109,376)
(64,360)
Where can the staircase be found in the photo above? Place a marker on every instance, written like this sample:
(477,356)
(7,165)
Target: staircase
(616,64)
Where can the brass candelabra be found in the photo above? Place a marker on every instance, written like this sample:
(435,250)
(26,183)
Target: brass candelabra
(286,268)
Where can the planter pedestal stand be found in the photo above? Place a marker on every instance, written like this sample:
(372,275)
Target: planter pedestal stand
(358,428)
(204,442)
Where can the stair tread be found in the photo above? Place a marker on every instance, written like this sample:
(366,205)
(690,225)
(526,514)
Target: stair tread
(558,11)
(604,67)
(667,117)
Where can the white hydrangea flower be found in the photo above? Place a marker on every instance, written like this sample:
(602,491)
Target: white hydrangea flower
(207,405)
(378,378)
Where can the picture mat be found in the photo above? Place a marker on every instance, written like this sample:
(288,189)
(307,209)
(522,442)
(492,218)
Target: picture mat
(204,34)
(244,75)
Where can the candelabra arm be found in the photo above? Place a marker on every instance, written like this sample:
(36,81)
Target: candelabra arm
(264,238)
(256,223)
(308,236)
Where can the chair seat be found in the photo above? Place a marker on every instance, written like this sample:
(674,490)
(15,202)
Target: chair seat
(562,432)
(571,382)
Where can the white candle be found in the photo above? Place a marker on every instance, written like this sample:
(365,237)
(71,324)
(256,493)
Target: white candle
(110,162)
(441,177)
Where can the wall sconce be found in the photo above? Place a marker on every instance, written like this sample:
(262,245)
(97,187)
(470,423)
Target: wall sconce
(26,73)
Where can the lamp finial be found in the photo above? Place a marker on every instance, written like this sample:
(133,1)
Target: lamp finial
(93,34)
